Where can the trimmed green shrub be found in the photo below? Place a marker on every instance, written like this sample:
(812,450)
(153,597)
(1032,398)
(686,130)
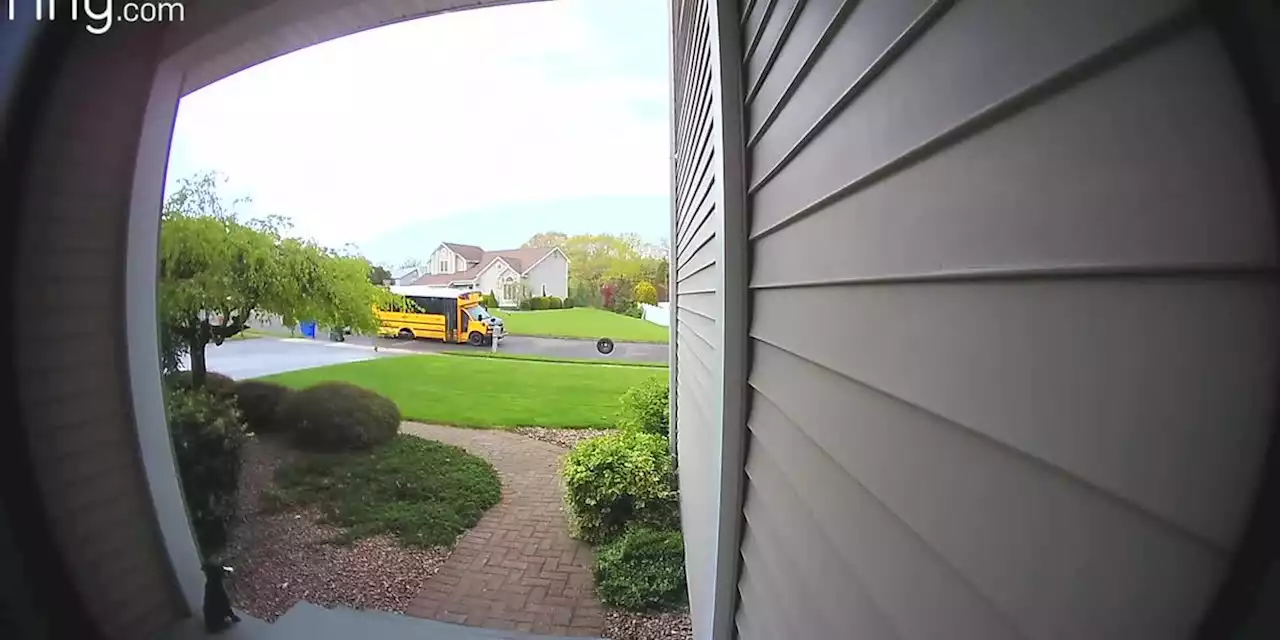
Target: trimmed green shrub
(555,303)
(643,570)
(214,382)
(618,479)
(208,435)
(258,401)
(538,303)
(632,310)
(568,303)
(489,300)
(526,305)
(338,416)
(645,407)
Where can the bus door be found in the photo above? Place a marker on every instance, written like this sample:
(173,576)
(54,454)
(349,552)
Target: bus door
(450,320)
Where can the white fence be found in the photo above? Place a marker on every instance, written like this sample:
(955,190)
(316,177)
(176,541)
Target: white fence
(660,314)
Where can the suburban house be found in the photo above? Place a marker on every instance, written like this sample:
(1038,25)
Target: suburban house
(510,274)
(407,275)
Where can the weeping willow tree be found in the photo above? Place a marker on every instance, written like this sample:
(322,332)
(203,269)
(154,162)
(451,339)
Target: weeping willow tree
(218,271)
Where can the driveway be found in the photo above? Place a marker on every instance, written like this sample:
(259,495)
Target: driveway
(265,356)
(529,345)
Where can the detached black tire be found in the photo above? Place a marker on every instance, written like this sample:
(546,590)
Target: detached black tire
(604,345)
(475,339)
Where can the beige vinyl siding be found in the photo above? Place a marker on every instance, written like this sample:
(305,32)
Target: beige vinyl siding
(1041,236)
(552,272)
(698,363)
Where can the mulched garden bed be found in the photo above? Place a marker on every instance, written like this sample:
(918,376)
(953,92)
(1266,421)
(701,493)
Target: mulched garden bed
(566,438)
(283,557)
(622,625)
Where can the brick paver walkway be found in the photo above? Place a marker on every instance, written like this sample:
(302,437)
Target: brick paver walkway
(517,568)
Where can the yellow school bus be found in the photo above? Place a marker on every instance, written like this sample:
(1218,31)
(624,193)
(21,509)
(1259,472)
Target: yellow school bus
(440,313)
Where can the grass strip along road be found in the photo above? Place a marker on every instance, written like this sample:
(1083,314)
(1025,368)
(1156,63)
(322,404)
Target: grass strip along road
(584,323)
(488,392)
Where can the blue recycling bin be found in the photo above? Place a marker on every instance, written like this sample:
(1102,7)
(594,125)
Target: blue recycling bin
(308,329)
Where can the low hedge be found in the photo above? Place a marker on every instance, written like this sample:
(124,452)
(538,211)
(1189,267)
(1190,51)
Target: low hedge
(259,402)
(542,303)
(643,570)
(338,416)
(214,382)
(618,479)
(645,407)
(208,435)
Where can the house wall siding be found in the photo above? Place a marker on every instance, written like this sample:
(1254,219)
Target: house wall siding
(1042,234)
(708,299)
(553,272)
(491,279)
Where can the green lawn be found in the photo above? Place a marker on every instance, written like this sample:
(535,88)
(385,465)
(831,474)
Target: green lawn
(535,358)
(487,392)
(582,323)
(424,492)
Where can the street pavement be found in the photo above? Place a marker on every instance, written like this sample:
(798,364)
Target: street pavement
(265,356)
(528,345)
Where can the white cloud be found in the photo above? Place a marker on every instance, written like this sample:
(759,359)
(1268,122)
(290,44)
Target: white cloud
(437,116)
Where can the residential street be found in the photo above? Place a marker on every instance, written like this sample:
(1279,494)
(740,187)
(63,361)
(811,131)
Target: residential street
(265,356)
(529,345)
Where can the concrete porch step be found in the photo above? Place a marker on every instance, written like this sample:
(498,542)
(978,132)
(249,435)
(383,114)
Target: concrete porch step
(313,622)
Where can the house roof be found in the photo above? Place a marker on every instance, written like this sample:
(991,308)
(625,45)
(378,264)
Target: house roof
(431,292)
(469,252)
(402,272)
(518,259)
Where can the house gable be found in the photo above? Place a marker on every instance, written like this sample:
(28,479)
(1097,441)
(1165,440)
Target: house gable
(553,251)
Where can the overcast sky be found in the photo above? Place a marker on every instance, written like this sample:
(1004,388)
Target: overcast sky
(480,126)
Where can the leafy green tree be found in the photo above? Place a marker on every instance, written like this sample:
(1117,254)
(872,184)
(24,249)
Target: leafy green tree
(378,275)
(546,240)
(217,271)
(599,260)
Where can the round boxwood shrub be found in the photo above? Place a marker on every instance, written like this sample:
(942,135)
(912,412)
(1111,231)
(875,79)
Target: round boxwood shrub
(568,303)
(617,479)
(526,305)
(555,303)
(645,407)
(338,416)
(259,401)
(208,435)
(643,570)
(214,382)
